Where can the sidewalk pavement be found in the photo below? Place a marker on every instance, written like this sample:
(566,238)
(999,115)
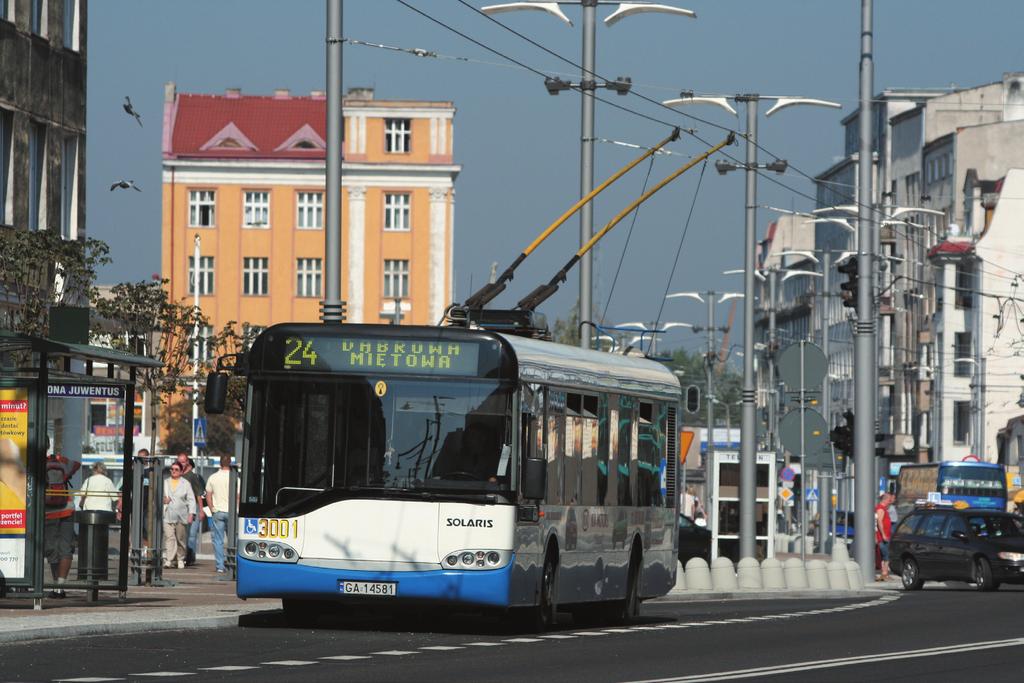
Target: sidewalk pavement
(199,598)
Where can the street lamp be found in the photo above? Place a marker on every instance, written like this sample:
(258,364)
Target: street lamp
(587,85)
(748,427)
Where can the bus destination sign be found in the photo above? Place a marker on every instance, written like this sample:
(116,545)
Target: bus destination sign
(402,356)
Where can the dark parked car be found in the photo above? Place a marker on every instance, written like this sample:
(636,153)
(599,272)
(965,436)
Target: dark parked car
(983,547)
(694,540)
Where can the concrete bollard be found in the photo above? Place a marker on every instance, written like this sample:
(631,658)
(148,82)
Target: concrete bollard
(723,575)
(772,577)
(698,576)
(840,552)
(837,578)
(781,543)
(853,576)
(680,578)
(817,575)
(795,573)
(748,574)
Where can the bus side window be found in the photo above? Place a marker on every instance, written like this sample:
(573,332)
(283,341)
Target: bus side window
(601,456)
(573,448)
(589,461)
(612,450)
(626,451)
(556,429)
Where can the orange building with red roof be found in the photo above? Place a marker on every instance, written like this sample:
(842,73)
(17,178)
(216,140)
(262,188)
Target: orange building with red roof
(247,174)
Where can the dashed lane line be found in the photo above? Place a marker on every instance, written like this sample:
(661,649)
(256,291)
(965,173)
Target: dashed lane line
(883,600)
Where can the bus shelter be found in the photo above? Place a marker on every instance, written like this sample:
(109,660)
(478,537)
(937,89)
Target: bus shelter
(59,402)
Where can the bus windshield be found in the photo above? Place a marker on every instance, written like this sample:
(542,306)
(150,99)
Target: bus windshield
(383,433)
(965,480)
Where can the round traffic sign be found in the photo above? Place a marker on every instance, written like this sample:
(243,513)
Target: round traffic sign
(808,355)
(806,435)
(787,474)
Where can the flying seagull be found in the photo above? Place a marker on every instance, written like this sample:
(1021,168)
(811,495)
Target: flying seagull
(130,110)
(124,185)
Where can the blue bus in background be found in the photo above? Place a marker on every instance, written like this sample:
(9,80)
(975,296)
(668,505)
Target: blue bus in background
(963,484)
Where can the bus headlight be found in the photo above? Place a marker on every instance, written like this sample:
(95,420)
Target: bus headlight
(477,559)
(269,552)
(250,548)
(274,551)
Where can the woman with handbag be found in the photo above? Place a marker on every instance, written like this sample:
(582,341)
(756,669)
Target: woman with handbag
(179,511)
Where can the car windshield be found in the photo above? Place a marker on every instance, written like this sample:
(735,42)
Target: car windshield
(995,526)
(378,432)
(967,480)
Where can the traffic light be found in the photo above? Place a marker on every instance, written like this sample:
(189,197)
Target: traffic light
(842,436)
(849,288)
(692,398)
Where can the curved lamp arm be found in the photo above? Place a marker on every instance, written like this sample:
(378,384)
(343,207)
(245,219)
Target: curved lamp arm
(627,9)
(551,8)
(722,102)
(783,102)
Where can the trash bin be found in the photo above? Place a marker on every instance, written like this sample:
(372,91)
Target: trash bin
(93,543)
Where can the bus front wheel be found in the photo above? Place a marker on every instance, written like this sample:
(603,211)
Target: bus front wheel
(542,616)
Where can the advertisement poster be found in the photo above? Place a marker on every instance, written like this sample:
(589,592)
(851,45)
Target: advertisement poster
(13,480)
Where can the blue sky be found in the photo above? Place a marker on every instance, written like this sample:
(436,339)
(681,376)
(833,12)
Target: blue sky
(518,145)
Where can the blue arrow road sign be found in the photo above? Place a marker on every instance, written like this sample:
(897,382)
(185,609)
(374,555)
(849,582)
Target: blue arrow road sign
(199,432)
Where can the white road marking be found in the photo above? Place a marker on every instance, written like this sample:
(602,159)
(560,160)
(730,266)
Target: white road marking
(617,630)
(443,648)
(523,640)
(227,668)
(165,674)
(394,653)
(557,636)
(345,658)
(87,679)
(485,643)
(289,662)
(843,661)
(590,633)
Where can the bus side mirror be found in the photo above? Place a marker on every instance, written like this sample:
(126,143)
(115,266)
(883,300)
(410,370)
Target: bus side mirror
(216,393)
(535,478)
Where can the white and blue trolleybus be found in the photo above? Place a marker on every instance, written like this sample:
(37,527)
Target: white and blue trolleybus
(411,465)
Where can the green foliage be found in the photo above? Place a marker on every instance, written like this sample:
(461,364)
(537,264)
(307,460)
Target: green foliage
(568,331)
(40,269)
(690,368)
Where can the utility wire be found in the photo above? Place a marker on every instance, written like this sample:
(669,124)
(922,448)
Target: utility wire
(622,254)
(679,249)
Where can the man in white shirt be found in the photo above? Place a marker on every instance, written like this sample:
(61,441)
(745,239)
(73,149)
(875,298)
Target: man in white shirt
(218,492)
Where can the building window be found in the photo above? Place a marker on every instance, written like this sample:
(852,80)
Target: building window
(310,210)
(38,18)
(964,296)
(396,278)
(249,334)
(397,133)
(256,210)
(71,24)
(6,138)
(255,273)
(205,342)
(396,211)
(962,349)
(205,275)
(961,421)
(36,175)
(7,10)
(69,188)
(308,276)
(202,208)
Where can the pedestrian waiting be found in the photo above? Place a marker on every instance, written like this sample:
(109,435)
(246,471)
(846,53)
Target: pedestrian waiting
(218,498)
(179,511)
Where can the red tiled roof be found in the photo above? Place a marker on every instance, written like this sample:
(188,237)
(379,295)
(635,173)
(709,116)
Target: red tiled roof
(948,248)
(266,121)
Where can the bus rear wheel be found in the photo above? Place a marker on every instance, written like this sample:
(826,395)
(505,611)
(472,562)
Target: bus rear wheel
(627,609)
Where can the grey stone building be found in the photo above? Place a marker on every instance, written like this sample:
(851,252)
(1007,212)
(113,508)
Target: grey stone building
(42,115)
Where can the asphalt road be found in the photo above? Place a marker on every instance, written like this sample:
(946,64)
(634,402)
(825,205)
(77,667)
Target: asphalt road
(935,635)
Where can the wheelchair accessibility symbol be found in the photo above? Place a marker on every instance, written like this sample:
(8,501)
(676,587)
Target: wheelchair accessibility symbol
(251,526)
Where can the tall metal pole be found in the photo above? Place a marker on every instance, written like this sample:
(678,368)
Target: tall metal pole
(195,344)
(748,430)
(864,329)
(710,510)
(825,490)
(980,452)
(587,86)
(772,395)
(332,307)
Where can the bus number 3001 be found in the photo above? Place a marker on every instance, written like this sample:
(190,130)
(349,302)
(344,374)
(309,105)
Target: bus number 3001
(279,528)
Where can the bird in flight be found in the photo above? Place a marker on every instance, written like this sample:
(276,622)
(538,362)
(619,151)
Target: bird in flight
(124,185)
(130,110)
